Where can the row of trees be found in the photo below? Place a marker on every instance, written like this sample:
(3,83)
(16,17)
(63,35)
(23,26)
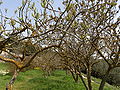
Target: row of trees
(82,34)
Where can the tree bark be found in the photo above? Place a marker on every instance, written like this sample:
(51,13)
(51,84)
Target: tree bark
(10,84)
(83,81)
(75,77)
(89,77)
(102,84)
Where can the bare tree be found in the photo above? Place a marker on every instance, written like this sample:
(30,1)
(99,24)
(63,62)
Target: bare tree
(83,30)
(94,33)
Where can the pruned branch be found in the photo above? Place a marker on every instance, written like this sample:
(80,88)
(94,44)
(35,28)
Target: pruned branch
(18,64)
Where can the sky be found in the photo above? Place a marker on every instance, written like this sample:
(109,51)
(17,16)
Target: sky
(11,5)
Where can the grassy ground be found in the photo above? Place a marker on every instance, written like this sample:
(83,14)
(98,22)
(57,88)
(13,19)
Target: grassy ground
(34,80)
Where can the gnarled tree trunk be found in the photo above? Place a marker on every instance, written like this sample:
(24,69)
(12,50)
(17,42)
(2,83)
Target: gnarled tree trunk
(102,84)
(10,84)
(89,77)
(83,81)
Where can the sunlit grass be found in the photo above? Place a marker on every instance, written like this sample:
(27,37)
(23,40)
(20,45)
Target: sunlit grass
(35,80)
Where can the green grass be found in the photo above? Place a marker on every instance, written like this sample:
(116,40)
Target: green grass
(34,80)
(3,66)
(57,81)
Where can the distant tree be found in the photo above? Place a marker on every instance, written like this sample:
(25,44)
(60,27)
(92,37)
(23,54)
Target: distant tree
(93,34)
(82,32)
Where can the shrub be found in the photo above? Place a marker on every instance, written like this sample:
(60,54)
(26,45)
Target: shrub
(99,70)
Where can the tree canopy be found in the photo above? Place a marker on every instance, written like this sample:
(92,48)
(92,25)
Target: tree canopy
(81,33)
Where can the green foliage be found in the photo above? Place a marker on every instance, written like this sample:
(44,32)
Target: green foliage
(0,27)
(112,3)
(69,16)
(37,16)
(23,2)
(43,3)
(114,76)
(1,2)
(12,22)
